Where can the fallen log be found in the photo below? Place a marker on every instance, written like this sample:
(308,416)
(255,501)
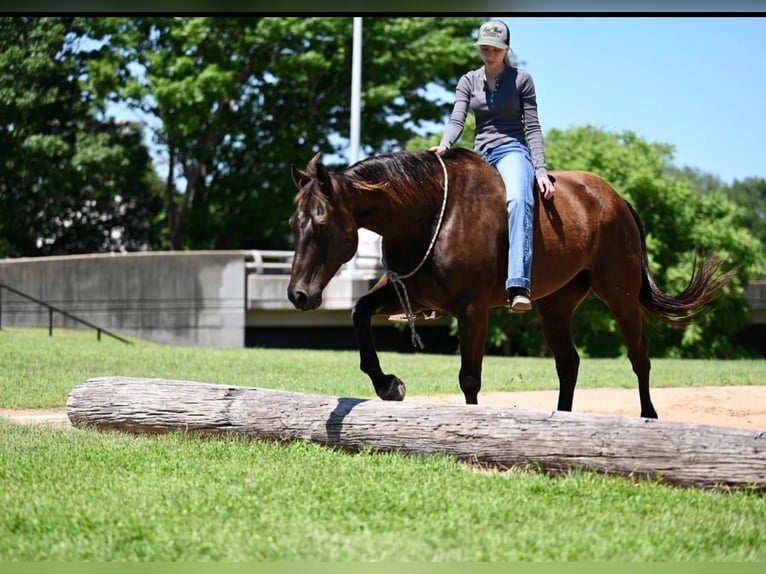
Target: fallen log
(677,453)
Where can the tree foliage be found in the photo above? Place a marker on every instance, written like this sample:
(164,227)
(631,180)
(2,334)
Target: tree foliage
(241,99)
(750,195)
(68,182)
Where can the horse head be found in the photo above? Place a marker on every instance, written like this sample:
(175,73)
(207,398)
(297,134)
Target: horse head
(324,231)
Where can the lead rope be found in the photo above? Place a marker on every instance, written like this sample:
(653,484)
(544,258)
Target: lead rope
(397,280)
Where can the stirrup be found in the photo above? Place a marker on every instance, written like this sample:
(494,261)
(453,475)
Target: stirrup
(519,300)
(403,317)
(520,304)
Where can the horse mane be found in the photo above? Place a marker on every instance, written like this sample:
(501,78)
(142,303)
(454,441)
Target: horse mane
(402,175)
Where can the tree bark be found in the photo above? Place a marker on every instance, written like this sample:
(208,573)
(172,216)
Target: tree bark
(677,453)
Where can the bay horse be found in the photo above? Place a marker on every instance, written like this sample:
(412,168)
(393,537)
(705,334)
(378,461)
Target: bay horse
(445,217)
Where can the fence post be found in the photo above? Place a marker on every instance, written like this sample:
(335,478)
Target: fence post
(1,306)
(50,322)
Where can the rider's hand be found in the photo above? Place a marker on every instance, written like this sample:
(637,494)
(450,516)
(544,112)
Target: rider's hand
(438,149)
(547,188)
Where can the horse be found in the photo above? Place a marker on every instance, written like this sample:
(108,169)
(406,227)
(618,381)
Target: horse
(443,224)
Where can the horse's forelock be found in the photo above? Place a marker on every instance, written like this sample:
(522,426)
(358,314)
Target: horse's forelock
(310,193)
(310,173)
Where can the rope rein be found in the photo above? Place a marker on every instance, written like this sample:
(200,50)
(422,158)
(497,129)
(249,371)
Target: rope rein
(397,280)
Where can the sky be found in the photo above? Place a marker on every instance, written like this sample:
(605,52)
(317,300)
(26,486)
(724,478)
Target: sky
(697,83)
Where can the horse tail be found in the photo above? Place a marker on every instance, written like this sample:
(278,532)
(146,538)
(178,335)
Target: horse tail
(698,297)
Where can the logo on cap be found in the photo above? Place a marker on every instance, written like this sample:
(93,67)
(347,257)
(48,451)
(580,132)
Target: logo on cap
(495,31)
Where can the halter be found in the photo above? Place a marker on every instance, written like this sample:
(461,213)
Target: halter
(397,280)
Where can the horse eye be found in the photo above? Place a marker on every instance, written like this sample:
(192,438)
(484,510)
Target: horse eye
(321,227)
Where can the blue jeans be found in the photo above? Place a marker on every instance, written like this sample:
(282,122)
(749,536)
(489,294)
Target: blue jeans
(514,162)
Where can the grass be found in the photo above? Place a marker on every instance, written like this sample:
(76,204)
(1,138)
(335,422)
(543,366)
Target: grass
(72,494)
(39,371)
(85,495)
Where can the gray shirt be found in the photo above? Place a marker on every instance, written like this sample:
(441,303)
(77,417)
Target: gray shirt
(507,114)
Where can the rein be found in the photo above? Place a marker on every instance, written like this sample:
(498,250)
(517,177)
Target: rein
(397,280)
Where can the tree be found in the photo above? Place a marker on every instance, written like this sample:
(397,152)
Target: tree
(750,194)
(68,183)
(241,99)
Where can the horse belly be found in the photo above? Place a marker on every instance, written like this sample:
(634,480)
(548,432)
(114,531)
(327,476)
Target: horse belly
(550,271)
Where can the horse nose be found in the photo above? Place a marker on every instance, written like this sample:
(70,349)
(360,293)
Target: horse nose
(298,298)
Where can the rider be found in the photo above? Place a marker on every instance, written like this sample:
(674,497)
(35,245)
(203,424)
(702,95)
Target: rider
(508,136)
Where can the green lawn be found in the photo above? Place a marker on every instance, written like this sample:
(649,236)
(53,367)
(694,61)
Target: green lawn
(72,494)
(39,371)
(84,495)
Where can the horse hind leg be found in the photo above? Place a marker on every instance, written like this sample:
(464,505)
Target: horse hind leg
(472,328)
(556,312)
(631,324)
(624,305)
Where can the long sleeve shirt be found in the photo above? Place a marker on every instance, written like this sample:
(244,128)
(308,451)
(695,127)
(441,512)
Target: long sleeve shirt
(503,115)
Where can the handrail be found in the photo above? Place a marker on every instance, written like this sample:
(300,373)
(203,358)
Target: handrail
(51,310)
(266,261)
(279,262)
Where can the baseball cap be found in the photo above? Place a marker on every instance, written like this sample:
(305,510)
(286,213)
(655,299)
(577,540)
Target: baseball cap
(494,33)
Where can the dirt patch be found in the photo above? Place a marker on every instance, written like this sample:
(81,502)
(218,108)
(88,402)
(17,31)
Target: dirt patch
(36,416)
(734,406)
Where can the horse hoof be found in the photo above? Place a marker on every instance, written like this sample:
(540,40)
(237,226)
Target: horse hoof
(396,390)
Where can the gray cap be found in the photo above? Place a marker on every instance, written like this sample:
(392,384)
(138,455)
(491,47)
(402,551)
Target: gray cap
(494,33)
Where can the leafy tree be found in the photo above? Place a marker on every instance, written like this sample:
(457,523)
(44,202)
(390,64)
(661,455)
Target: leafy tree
(703,182)
(750,194)
(68,183)
(241,99)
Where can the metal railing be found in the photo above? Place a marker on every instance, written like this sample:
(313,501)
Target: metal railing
(51,310)
(269,262)
(276,262)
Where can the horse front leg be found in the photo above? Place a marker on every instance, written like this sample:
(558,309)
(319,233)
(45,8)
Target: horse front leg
(380,299)
(472,327)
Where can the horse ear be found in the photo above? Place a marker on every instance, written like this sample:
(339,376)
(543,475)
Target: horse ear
(314,161)
(300,177)
(324,178)
(314,169)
